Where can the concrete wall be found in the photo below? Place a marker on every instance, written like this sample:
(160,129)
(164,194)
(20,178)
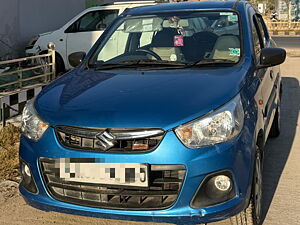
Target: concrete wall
(20,20)
(9,27)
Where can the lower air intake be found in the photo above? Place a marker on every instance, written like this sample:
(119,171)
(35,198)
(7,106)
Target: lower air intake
(165,182)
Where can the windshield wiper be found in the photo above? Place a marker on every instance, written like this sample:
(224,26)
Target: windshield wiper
(211,62)
(137,63)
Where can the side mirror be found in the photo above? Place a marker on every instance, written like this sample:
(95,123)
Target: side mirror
(76,58)
(271,57)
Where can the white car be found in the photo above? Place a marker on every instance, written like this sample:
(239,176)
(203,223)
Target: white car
(80,33)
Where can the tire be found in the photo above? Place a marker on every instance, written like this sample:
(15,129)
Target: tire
(252,214)
(59,65)
(275,129)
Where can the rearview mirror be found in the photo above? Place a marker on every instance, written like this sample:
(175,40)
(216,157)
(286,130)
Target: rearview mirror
(76,58)
(271,57)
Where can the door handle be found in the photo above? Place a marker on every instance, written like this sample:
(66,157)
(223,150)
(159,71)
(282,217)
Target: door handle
(271,74)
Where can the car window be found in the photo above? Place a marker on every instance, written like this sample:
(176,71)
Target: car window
(92,21)
(146,38)
(175,37)
(257,38)
(115,46)
(263,29)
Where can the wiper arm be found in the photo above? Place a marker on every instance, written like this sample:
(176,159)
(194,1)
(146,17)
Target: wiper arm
(113,66)
(133,63)
(211,62)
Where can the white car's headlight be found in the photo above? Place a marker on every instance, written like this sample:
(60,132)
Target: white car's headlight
(33,41)
(222,125)
(32,126)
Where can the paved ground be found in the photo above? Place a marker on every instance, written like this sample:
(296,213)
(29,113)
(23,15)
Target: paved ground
(288,42)
(282,165)
(281,177)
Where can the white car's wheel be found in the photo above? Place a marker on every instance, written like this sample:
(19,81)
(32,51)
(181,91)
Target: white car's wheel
(59,65)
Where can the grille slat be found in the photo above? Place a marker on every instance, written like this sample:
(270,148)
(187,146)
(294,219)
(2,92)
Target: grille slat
(121,192)
(124,140)
(167,180)
(163,190)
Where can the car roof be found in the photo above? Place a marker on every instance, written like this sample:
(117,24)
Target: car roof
(121,4)
(182,6)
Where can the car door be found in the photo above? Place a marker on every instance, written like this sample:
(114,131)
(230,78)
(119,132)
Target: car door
(84,32)
(274,77)
(266,75)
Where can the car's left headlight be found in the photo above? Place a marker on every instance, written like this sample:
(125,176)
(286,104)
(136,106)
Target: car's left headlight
(32,126)
(32,41)
(220,126)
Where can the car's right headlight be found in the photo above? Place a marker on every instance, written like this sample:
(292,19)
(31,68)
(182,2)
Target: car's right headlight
(32,126)
(220,126)
(32,41)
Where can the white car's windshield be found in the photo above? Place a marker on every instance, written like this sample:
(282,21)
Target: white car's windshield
(174,38)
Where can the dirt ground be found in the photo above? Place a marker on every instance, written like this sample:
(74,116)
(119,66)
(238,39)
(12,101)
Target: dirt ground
(281,200)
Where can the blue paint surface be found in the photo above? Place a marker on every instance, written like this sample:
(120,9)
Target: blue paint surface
(153,99)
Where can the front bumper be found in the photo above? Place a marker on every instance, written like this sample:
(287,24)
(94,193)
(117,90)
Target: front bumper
(236,157)
(32,50)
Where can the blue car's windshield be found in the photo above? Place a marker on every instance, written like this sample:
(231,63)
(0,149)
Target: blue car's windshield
(172,38)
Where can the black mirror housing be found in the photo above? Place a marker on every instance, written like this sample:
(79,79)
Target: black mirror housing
(76,58)
(271,57)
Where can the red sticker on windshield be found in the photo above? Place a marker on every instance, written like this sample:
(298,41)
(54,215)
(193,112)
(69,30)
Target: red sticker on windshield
(178,40)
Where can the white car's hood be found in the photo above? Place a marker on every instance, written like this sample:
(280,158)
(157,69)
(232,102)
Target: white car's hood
(47,33)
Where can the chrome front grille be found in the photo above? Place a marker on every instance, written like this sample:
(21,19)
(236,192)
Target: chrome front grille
(165,182)
(111,140)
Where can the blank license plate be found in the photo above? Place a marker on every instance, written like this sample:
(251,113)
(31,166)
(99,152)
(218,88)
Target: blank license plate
(127,174)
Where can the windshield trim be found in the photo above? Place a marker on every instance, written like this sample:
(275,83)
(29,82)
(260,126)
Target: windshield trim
(120,19)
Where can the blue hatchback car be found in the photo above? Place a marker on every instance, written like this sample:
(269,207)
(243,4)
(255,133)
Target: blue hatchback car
(164,120)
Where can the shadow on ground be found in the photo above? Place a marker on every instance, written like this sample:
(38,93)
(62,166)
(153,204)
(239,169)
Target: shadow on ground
(278,149)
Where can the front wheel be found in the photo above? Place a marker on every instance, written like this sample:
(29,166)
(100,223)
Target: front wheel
(252,214)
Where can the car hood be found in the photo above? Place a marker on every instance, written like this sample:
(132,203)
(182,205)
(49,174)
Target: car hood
(46,33)
(137,99)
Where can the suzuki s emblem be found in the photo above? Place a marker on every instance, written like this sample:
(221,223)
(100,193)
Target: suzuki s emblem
(106,140)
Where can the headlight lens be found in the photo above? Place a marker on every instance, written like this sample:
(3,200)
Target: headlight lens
(33,41)
(220,126)
(32,126)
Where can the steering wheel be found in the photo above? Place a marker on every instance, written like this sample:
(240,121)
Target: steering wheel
(148,51)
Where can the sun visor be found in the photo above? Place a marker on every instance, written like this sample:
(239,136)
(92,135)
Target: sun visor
(143,25)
